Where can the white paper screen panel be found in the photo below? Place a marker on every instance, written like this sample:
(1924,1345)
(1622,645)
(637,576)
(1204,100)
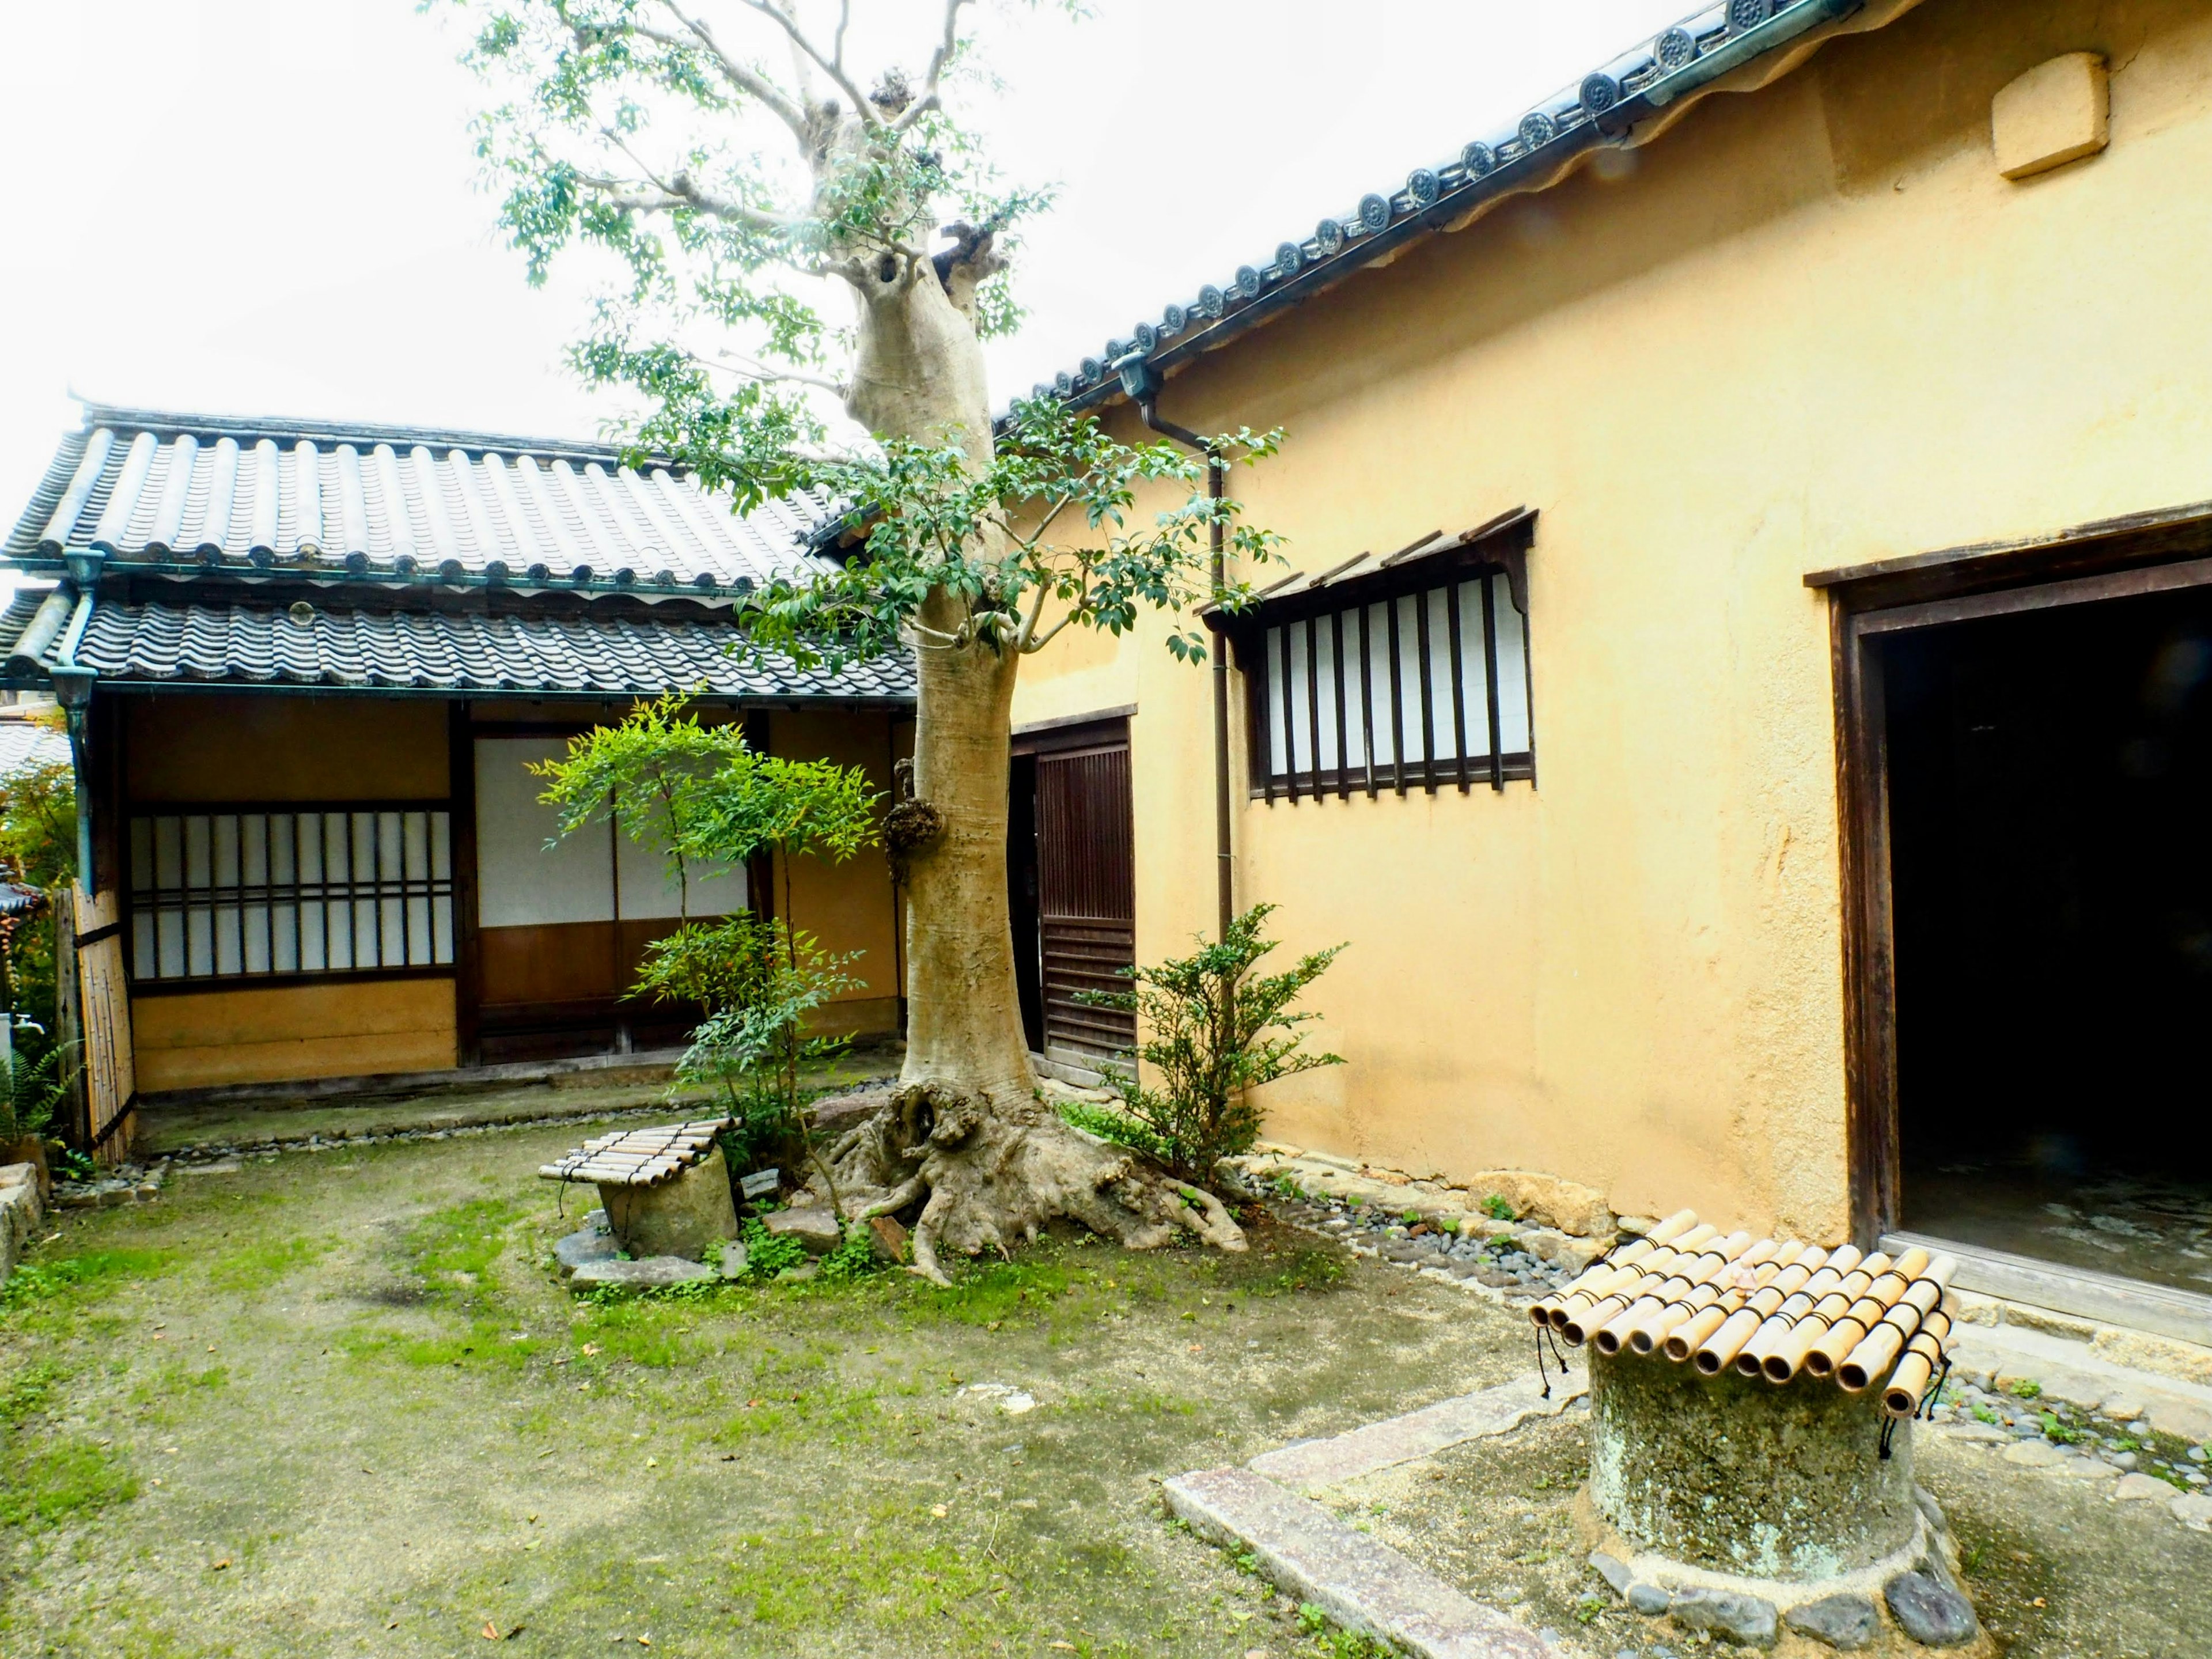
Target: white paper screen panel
(649,892)
(520,881)
(1425,727)
(278,890)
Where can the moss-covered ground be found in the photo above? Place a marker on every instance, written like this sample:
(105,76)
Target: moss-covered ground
(338,1402)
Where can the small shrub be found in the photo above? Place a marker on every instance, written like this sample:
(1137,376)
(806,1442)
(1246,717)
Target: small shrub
(1498,1209)
(769,1253)
(2025,1387)
(1109,1124)
(854,1258)
(1212,1031)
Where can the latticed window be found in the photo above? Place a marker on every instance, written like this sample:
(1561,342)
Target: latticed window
(246,891)
(1388,673)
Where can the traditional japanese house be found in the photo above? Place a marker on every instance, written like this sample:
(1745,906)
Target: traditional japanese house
(1743,681)
(307,668)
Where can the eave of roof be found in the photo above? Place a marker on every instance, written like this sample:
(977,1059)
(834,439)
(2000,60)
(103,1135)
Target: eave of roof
(194,639)
(1627,101)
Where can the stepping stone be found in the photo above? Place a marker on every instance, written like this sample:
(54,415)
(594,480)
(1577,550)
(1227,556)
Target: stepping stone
(1842,1621)
(586,1244)
(1929,1614)
(2135,1487)
(1747,1620)
(1359,1581)
(652,1274)
(818,1230)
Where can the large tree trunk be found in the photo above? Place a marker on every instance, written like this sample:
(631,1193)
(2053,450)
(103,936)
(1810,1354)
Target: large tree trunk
(968,1136)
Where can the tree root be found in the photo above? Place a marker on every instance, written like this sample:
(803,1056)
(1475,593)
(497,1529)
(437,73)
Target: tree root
(994,1175)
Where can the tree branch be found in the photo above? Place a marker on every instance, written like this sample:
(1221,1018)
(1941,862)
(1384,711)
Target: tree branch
(832,67)
(746,80)
(750,369)
(948,42)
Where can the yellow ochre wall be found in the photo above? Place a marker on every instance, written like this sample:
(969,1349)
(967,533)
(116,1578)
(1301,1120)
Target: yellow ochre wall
(1807,327)
(848,907)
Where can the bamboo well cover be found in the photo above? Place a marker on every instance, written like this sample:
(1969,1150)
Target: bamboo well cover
(637,1158)
(1765,1306)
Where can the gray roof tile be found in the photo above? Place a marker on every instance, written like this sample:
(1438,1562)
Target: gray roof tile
(381,647)
(349,502)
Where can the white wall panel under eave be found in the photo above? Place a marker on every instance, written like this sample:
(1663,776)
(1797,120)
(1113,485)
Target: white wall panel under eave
(520,881)
(650,891)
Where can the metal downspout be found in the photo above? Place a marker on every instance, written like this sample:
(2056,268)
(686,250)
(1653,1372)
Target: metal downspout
(1143,384)
(73,691)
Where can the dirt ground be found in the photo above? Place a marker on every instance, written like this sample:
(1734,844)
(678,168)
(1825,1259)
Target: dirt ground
(337,1402)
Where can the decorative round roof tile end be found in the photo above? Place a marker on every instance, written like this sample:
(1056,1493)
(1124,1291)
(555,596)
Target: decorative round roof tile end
(1748,14)
(1173,321)
(1600,93)
(1247,285)
(1374,213)
(1328,237)
(1424,186)
(1211,302)
(1289,257)
(1676,47)
(1536,129)
(1147,338)
(1477,158)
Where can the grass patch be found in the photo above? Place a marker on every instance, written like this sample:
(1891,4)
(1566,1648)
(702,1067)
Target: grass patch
(253,1268)
(75,1281)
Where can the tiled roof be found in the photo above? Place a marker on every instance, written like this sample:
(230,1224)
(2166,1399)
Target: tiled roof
(1654,80)
(632,652)
(25,744)
(200,492)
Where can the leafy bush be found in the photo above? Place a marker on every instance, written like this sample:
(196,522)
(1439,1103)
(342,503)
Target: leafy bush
(1212,1031)
(30,1090)
(1498,1209)
(38,845)
(1109,1124)
(769,1253)
(854,1258)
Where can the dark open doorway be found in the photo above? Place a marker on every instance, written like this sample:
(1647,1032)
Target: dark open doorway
(2049,793)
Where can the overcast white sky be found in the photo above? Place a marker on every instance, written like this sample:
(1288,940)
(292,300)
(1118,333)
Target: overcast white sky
(269,207)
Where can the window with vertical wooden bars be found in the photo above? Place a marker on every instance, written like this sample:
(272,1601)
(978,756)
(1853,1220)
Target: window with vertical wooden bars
(246,892)
(1426,688)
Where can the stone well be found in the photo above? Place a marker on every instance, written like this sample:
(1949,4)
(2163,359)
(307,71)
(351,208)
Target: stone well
(1765,1514)
(1740,1476)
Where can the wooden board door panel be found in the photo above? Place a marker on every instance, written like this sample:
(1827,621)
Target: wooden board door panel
(1086,896)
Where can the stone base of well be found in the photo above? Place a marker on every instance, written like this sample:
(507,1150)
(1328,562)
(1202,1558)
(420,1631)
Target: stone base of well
(679,1215)
(1766,1516)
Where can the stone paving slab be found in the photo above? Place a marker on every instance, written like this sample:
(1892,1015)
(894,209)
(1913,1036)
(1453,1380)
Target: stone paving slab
(1422,1433)
(2075,1373)
(1361,1582)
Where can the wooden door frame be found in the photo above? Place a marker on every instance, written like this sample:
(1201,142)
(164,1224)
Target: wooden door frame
(2168,551)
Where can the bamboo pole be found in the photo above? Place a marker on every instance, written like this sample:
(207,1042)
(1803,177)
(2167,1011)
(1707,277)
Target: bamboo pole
(1571,1309)
(1580,1314)
(1847,1332)
(1651,1298)
(1882,1345)
(1909,1383)
(1718,1352)
(1650,1293)
(1750,1359)
(1647,1333)
(1787,1356)
(1547,1311)
(1693,1333)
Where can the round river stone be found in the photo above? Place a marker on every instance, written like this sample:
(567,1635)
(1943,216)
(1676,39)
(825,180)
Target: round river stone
(1740,1476)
